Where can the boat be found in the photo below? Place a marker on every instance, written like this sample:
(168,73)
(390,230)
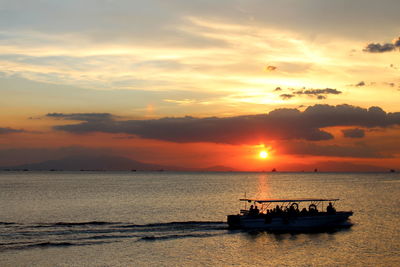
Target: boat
(289,215)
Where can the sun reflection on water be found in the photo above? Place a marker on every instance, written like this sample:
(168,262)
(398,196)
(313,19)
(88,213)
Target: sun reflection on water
(263,190)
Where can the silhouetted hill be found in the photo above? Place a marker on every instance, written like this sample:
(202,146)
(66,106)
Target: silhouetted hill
(101,162)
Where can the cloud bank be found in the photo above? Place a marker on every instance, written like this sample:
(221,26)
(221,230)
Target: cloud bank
(279,124)
(342,151)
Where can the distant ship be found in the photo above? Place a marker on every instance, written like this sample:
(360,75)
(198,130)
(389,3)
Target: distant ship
(287,216)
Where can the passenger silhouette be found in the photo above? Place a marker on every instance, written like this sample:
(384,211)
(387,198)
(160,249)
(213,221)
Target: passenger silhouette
(304,211)
(278,210)
(251,210)
(330,209)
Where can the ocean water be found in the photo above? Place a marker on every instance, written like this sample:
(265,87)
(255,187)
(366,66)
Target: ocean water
(178,219)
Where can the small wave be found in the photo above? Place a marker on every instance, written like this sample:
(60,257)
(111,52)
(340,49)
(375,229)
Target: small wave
(72,224)
(168,237)
(53,244)
(7,223)
(185,223)
(97,237)
(168,224)
(50,245)
(65,234)
(66,224)
(120,224)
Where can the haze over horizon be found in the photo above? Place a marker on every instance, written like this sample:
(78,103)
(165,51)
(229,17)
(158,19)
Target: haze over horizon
(250,85)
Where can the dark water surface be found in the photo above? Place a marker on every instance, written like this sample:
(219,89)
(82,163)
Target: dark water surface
(178,219)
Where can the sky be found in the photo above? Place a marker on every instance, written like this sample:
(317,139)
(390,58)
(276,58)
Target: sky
(194,84)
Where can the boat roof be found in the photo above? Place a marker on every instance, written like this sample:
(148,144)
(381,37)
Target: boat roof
(289,200)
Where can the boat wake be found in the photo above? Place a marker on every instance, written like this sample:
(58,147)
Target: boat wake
(14,236)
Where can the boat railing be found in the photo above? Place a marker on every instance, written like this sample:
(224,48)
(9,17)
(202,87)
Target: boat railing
(244,212)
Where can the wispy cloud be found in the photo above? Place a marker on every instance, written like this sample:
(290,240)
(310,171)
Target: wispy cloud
(82,116)
(212,48)
(222,64)
(7,130)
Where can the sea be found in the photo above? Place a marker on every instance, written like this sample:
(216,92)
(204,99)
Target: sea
(179,219)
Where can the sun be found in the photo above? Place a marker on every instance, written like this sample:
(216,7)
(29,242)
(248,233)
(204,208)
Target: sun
(263,154)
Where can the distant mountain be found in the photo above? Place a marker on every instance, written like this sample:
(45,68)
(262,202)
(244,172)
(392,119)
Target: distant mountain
(101,162)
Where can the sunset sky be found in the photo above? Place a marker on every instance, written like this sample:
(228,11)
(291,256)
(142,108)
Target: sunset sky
(313,83)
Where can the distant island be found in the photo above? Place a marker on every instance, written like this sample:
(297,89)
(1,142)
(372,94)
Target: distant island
(118,163)
(86,163)
(104,163)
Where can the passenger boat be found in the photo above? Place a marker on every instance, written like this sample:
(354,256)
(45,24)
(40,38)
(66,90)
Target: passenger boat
(289,215)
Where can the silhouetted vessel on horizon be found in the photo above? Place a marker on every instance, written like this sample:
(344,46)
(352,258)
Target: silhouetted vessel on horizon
(287,216)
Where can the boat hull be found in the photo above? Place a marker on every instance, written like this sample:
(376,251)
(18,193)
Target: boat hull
(294,223)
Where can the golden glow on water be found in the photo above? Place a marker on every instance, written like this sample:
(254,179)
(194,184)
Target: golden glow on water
(263,190)
(198,211)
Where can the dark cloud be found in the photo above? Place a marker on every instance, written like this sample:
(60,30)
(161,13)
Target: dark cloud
(278,89)
(353,133)
(362,83)
(286,96)
(7,130)
(318,92)
(348,115)
(355,151)
(81,116)
(381,48)
(280,124)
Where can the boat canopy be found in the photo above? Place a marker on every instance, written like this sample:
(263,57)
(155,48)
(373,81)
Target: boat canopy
(288,200)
